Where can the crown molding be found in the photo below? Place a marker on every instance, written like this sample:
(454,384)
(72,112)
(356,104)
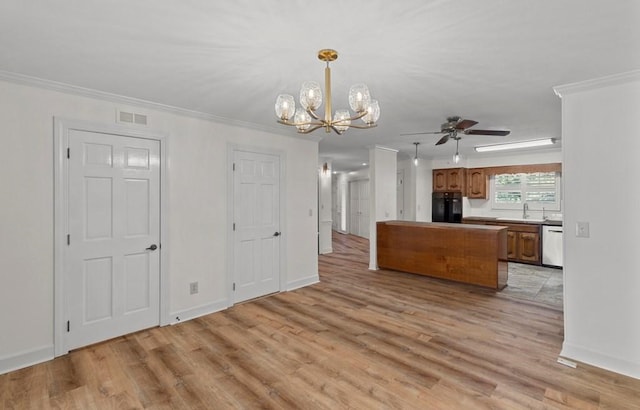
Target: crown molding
(615,79)
(131,101)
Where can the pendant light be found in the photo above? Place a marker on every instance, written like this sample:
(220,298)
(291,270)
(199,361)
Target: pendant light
(456,156)
(415,159)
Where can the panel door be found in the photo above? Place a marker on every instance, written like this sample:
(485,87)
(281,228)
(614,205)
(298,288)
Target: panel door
(257,225)
(354,208)
(363,215)
(112,271)
(529,246)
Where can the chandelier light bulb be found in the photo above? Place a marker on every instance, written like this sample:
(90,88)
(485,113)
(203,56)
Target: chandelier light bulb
(302,120)
(285,107)
(359,97)
(456,157)
(342,120)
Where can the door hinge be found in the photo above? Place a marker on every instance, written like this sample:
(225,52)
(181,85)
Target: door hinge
(234,166)
(68,239)
(68,326)
(234,286)
(68,152)
(234,226)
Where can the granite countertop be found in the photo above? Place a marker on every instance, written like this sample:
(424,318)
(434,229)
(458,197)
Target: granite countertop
(531,221)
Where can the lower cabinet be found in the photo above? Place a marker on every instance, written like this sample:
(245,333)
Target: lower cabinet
(523,246)
(523,240)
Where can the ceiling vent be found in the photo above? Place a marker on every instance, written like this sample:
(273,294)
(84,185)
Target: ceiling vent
(126,117)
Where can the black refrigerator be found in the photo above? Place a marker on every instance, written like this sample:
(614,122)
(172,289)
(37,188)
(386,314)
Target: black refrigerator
(447,207)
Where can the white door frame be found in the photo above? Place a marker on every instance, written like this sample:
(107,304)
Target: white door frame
(62,126)
(231,149)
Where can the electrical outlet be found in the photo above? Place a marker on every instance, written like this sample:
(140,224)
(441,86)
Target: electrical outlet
(193,288)
(582,229)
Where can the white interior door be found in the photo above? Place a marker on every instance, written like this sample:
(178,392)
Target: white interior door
(112,261)
(354,208)
(359,208)
(256,225)
(364,208)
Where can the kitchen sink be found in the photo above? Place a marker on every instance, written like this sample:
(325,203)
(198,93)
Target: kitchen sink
(531,220)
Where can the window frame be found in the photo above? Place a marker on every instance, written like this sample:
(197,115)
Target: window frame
(533,205)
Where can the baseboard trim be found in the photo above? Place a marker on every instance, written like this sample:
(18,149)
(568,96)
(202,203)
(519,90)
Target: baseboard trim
(25,359)
(192,313)
(614,364)
(301,283)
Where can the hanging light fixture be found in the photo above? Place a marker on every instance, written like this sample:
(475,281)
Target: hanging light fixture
(305,118)
(415,159)
(456,156)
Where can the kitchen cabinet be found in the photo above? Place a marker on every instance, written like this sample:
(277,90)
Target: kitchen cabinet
(477,182)
(523,239)
(449,180)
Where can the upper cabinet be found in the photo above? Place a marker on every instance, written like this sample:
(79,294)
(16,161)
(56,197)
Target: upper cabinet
(477,181)
(449,180)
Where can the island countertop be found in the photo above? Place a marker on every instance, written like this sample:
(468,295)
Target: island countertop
(475,254)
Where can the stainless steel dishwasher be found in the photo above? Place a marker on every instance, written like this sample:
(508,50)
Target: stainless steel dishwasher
(552,245)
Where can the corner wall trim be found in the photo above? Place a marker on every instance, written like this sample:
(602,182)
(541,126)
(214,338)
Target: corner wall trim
(198,311)
(301,283)
(614,364)
(25,359)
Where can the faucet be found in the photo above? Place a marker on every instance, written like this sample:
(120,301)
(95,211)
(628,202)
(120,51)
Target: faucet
(525,208)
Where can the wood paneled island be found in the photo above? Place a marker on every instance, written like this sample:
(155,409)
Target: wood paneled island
(475,254)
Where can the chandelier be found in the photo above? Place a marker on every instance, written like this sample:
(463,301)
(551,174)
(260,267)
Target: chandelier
(305,118)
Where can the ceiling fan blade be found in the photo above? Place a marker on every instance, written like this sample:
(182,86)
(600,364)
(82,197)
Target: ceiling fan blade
(444,139)
(420,133)
(501,133)
(464,124)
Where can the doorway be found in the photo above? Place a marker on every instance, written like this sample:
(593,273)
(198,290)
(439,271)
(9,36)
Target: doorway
(256,230)
(108,233)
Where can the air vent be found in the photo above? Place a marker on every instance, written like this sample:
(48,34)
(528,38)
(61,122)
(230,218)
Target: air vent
(126,117)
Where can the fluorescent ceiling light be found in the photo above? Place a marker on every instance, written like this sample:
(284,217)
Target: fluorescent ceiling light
(515,145)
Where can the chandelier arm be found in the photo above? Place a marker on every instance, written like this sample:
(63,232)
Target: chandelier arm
(336,130)
(313,114)
(362,127)
(312,128)
(295,124)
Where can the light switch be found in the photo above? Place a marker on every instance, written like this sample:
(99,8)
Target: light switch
(582,229)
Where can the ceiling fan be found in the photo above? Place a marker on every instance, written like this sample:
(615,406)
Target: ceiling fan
(456,124)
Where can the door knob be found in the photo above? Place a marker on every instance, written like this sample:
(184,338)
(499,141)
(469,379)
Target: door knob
(276,234)
(152,247)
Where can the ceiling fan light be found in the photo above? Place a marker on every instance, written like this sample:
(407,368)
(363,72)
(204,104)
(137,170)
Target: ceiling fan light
(310,95)
(342,120)
(302,120)
(359,97)
(285,107)
(373,112)
(515,145)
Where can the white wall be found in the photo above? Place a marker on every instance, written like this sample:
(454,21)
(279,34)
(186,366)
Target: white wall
(197,172)
(418,185)
(601,174)
(382,198)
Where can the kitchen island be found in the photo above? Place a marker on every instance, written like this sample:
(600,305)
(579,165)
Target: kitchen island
(474,254)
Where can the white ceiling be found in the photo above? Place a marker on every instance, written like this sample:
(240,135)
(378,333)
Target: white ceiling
(494,61)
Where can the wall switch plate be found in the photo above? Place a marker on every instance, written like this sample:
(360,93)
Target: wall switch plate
(582,229)
(193,288)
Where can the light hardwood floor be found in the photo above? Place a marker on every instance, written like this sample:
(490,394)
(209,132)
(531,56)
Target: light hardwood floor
(358,339)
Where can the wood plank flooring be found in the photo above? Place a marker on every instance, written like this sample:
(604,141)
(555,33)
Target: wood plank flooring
(358,339)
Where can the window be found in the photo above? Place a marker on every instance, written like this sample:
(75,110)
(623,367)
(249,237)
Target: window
(538,189)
